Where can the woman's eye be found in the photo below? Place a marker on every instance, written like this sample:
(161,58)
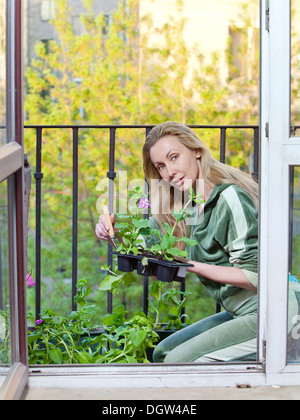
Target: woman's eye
(173,158)
(160,167)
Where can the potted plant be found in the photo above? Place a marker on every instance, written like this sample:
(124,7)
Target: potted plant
(75,339)
(4,337)
(161,259)
(165,305)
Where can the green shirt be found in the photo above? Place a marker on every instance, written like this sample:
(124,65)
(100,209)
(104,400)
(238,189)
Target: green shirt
(227,235)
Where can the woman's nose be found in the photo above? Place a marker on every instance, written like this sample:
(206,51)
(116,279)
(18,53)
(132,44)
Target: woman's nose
(171,172)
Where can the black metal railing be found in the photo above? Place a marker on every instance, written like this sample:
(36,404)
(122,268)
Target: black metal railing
(111,175)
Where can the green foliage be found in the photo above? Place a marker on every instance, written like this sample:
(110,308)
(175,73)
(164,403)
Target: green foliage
(166,307)
(4,337)
(135,228)
(128,340)
(115,281)
(166,247)
(72,339)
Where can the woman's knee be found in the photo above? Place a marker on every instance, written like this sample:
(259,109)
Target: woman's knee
(158,355)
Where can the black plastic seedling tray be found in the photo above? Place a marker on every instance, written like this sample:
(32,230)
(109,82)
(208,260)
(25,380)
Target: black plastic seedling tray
(164,270)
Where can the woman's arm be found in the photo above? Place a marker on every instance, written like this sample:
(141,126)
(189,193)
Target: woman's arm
(220,274)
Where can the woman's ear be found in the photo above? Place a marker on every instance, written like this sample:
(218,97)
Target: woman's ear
(198,154)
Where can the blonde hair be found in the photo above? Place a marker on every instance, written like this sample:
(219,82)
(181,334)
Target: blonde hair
(212,171)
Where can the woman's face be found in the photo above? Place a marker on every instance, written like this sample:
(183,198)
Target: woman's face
(176,163)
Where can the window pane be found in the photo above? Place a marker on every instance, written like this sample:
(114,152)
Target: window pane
(4,279)
(294,264)
(2,73)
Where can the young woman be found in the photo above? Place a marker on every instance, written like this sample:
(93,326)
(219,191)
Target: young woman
(226,230)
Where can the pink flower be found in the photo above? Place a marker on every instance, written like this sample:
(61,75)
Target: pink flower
(144,203)
(30,280)
(39,321)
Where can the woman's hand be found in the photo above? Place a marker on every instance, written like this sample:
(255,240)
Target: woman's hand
(102,228)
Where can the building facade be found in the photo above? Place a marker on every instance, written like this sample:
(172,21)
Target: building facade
(209,27)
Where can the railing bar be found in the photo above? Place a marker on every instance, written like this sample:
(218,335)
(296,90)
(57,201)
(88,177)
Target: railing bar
(146,278)
(256,153)
(111,174)
(222,160)
(38,175)
(196,126)
(145,294)
(223,145)
(110,264)
(75,218)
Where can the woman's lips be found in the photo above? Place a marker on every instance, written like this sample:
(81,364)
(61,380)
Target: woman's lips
(179,181)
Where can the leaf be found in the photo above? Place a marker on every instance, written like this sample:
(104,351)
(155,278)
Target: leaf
(120,310)
(33,336)
(137,337)
(131,359)
(155,289)
(56,355)
(162,306)
(109,282)
(173,312)
(144,261)
(135,250)
(167,228)
(175,252)
(80,301)
(84,357)
(143,223)
(155,248)
(188,241)
(145,231)
(167,242)
(122,226)
(126,241)
(179,215)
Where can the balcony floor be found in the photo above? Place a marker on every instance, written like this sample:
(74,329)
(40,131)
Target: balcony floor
(151,394)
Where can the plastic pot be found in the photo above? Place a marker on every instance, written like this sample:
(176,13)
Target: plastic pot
(164,270)
(126,263)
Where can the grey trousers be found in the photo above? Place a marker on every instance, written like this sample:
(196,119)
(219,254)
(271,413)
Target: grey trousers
(225,337)
(222,337)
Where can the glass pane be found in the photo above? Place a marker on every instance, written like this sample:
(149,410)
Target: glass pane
(2,73)
(4,280)
(294,268)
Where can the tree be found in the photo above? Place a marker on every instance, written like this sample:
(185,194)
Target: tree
(111,75)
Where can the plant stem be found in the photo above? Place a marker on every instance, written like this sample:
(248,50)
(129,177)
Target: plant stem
(183,213)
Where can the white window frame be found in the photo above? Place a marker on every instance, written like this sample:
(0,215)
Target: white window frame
(278,152)
(12,172)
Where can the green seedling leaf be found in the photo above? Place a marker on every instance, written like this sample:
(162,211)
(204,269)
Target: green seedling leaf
(56,355)
(188,241)
(84,357)
(167,242)
(137,337)
(109,282)
(144,261)
(143,223)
